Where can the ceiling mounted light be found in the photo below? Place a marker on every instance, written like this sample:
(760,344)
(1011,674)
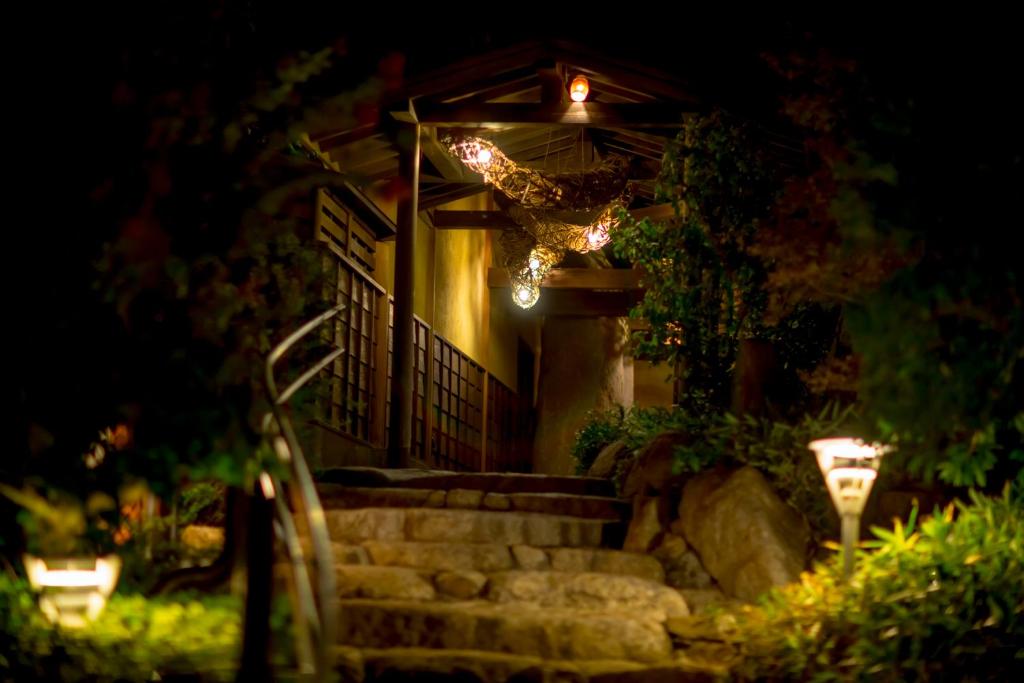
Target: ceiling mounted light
(579,89)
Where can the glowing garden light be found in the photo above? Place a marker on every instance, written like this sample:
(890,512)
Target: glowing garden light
(579,89)
(72,591)
(850,468)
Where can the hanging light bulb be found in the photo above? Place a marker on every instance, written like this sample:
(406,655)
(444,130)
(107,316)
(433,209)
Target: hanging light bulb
(484,156)
(526,294)
(597,236)
(579,89)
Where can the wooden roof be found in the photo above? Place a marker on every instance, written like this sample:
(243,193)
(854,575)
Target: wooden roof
(517,97)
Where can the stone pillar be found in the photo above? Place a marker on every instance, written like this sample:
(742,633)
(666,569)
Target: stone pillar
(583,367)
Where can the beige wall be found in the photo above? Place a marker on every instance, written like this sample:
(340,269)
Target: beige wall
(451,294)
(650,384)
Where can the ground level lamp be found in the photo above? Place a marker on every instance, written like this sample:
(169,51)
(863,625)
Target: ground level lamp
(72,591)
(850,467)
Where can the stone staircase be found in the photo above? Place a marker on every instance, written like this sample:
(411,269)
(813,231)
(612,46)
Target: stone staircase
(498,577)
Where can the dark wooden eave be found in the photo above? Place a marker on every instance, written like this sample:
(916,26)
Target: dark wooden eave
(383,227)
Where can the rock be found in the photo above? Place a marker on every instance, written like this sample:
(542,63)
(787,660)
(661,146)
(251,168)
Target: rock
(497,501)
(605,562)
(551,633)
(652,469)
(436,499)
(366,523)
(531,558)
(202,539)
(348,554)
(645,527)
(682,566)
(484,557)
(464,498)
(587,591)
(606,461)
(463,585)
(700,599)
(382,583)
(747,538)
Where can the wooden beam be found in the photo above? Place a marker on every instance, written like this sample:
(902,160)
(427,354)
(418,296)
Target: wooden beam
(479,220)
(449,193)
(578,303)
(577,278)
(445,163)
(639,115)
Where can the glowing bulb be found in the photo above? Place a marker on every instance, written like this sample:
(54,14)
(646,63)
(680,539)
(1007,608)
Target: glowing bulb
(484,156)
(579,89)
(523,293)
(535,264)
(526,295)
(598,236)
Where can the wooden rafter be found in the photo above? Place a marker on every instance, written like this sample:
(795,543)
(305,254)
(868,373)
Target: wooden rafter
(659,115)
(576,278)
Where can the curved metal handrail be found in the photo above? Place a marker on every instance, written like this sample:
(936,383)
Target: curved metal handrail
(319,624)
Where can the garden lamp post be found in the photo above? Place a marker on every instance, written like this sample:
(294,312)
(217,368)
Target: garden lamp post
(72,591)
(850,467)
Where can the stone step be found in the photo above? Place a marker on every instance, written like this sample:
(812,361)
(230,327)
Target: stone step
(492,557)
(549,633)
(371,665)
(336,496)
(468,526)
(580,590)
(489,482)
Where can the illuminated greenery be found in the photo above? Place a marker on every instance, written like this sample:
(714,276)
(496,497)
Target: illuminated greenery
(943,600)
(133,638)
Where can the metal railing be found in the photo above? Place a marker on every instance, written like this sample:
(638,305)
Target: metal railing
(315,612)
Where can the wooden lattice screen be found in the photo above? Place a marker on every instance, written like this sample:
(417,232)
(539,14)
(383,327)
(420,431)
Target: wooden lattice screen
(457,435)
(510,425)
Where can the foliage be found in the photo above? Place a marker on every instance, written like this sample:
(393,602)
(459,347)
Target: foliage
(777,448)
(202,502)
(600,429)
(902,225)
(703,292)
(941,601)
(190,252)
(133,638)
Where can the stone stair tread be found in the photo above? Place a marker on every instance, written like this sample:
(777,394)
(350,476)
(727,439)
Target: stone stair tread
(551,633)
(497,482)
(579,590)
(466,526)
(492,557)
(486,666)
(337,496)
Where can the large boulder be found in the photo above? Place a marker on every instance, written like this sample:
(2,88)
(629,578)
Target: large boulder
(651,471)
(607,461)
(682,566)
(747,538)
(645,526)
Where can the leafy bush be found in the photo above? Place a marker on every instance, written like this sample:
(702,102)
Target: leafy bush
(944,601)
(778,449)
(133,638)
(600,429)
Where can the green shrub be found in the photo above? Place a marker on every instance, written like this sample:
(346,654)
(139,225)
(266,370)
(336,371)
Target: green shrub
(944,601)
(600,429)
(133,638)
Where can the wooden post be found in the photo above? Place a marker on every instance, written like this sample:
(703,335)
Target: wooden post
(402,380)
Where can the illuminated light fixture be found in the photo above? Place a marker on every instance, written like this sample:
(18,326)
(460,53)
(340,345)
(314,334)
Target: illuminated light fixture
(579,89)
(72,591)
(526,294)
(850,468)
(598,236)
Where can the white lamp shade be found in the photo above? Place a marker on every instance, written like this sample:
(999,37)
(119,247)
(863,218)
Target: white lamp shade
(850,468)
(73,591)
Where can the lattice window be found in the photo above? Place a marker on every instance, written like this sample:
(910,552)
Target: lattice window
(458,408)
(347,395)
(509,429)
(344,232)
(420,364)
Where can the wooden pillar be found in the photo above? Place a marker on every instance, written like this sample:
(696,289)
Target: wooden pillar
(400,435)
